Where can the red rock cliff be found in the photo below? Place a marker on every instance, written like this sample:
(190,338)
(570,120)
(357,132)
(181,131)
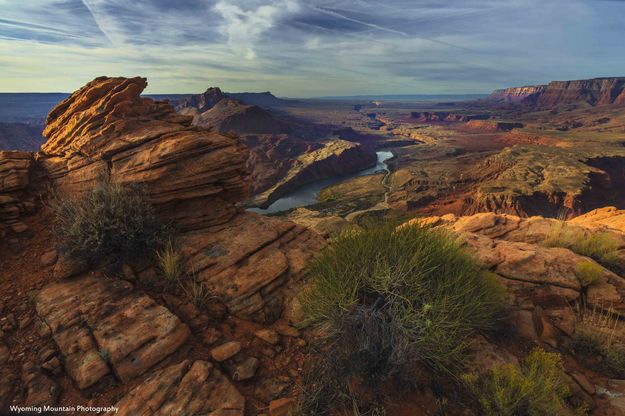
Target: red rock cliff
(596,92)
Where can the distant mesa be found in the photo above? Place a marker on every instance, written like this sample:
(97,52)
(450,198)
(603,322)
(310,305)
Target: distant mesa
(261,99)
(223,113)
(594,92)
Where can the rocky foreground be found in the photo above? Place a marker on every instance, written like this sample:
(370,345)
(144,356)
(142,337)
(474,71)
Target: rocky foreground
(86,332)
(73,334)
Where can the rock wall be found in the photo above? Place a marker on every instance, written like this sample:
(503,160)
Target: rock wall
(516,94)
(15,202)
(596,92)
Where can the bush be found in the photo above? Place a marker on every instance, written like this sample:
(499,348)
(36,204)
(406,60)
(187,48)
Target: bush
(588,272)
(110,224)
(535,388)
(390,298)
(605,356)
(601,245)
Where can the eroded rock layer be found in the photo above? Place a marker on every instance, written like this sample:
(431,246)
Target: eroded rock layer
(187,388)
(15,171)
(596,92)
(102,327)
(106,129)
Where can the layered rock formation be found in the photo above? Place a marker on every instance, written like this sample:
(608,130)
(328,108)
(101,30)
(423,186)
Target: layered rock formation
(101,326)
(493,126)
(188,388)
(15,202)
(539,180)
(516,94)
(107,129)
(104,330)
(195,177)
(550,301)
(596,92)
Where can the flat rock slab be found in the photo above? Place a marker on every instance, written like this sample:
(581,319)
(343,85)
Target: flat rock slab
(101,325)
(188,388)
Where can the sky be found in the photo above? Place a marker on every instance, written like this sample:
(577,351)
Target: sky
(308,48)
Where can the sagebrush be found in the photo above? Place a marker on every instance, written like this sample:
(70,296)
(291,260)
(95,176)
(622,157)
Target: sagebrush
(109,224)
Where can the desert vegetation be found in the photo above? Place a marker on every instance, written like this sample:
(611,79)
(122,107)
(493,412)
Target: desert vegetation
(170,264)
(109,224)
(536,387)
(597,341)
(600,246)
(390,300)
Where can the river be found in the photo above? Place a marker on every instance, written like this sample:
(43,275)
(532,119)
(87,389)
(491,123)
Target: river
(307,195)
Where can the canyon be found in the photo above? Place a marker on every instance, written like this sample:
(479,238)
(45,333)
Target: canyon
(500,177)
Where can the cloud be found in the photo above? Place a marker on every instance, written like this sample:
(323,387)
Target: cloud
(243,26)
(309,47)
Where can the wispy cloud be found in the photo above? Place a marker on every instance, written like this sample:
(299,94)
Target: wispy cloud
(243,25)
(309,47)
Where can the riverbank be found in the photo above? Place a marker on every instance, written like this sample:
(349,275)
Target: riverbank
(307,195)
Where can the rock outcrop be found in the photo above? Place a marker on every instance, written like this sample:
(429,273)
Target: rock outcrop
(540,180)
(595,92)
(102,326)
(544,279)
(493,126)
(516,94)
(253,263)
(127,328)
(106,129)
(15,202)
(551,302)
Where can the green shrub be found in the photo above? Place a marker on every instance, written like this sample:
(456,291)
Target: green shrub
(535,388)
(110,224)
(601,246)
(170,264)
(605,356)
(390,298)
(588,272)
